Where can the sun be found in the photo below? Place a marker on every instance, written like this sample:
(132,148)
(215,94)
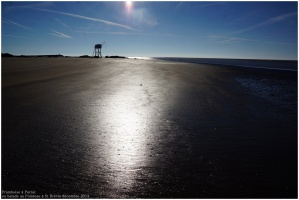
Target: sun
(128,4)
(129,7)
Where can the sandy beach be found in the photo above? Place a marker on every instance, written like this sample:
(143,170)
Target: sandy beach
(129,128)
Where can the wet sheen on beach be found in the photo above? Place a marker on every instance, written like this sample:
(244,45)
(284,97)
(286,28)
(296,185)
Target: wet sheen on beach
(125,128)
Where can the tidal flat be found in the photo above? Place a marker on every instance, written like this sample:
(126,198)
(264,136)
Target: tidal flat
(129,128)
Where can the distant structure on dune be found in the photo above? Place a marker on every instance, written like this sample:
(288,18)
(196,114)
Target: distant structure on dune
(97,50)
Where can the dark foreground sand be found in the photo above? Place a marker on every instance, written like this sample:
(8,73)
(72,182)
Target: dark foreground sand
(147,129)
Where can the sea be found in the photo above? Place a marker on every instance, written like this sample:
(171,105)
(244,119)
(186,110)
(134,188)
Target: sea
(289,65)
(281,89)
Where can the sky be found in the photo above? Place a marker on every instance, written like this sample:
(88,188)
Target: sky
(254,30)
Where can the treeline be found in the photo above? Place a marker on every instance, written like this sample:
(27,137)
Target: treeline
(31,56)
(115,57)
(54,56)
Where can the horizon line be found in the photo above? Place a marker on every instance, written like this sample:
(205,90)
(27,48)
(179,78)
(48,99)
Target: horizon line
(58,54)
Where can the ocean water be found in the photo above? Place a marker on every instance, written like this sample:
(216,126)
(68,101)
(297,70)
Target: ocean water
(279,89)
(281,92)
(289,65)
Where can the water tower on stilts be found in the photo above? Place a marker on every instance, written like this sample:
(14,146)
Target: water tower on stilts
(97,50)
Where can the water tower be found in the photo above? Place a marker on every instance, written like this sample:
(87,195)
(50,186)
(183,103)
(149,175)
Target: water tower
(97,51)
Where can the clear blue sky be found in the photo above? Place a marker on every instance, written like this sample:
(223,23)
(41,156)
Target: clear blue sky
(262,30)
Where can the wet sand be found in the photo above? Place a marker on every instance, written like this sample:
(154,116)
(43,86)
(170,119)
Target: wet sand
(123,128)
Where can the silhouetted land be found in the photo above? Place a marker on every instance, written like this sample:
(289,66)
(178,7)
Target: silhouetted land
(125,128)
(32,56)
(4,55)
(115,57)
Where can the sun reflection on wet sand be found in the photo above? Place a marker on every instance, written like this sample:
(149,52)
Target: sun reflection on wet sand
(126,118)
(127,139)
(123,117)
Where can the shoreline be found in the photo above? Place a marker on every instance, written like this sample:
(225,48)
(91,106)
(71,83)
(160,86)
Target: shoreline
(234,62)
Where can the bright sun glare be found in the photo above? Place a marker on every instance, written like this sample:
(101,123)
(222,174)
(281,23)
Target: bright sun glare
(128,3)
(129,7)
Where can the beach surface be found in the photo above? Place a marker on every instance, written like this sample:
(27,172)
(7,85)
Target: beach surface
(129,128)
